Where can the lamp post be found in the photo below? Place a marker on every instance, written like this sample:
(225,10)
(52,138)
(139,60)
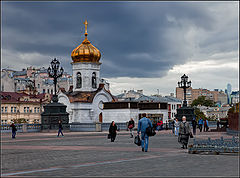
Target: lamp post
(54,73)
(184,84)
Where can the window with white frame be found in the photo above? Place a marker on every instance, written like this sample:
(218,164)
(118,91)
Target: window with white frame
(11,109)
(2,109)
(15,109)
(27,109)
(5,109)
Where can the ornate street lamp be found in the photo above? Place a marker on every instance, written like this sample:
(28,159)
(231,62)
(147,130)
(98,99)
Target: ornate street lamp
(185,110)
(184,84)
(54,73)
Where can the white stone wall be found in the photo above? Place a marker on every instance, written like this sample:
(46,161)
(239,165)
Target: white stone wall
(97,106)
(173,106)
(120,115)
(86,69)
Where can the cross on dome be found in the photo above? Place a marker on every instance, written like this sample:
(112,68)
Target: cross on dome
(86,24)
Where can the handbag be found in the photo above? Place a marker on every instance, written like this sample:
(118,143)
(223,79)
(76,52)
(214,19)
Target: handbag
(137,140)
(130,126)
(109,136)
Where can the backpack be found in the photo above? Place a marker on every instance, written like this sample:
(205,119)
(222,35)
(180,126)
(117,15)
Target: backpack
(150,131)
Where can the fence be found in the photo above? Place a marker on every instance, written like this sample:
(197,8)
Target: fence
(216,146)
(74,127)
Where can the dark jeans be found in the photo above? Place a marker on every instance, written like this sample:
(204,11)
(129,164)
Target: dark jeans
(13,134)
(194,130)
(200,127)
(113,136)
(60,131)
(205,129)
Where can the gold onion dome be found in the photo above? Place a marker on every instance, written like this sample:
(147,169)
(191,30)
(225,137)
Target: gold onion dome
(86,52)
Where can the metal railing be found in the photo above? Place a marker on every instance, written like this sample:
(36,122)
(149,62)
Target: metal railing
(21,127)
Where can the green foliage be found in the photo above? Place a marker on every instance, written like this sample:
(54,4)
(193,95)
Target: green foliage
(202,101)
(199,114)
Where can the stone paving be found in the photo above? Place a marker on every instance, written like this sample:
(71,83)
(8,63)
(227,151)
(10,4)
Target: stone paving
(92,154)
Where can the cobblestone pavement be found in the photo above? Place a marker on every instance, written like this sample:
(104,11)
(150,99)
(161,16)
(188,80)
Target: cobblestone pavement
(92,154)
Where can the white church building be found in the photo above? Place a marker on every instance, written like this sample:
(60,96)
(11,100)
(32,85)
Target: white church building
(85,98)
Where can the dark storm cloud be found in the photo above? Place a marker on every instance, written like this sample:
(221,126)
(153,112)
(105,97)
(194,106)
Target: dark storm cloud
(137,39)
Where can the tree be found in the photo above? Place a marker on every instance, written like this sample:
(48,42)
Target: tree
(199,114)
(202,101)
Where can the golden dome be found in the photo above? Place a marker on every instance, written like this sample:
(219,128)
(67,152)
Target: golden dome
(86,52)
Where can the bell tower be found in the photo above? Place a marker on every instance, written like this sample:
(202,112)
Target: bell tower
(86,65)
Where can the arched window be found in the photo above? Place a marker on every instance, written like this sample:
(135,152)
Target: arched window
(79,80)
(94,81)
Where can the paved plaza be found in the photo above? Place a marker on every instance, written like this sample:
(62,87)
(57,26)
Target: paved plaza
(92,154)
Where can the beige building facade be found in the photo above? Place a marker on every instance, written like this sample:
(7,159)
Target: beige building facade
(22,106)
(192,94)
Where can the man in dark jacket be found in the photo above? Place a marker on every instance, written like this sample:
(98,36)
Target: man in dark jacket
(113,131)
(14,129)
(60,127)
(194,125)
(131,125)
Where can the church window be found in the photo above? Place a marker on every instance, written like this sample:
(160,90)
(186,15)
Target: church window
(94,82)
(79,80)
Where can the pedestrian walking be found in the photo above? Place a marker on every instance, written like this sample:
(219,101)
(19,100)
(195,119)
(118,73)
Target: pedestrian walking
(194,125)
(218,124)
(176,127)
(166,125)
(173,128)
(131,125)
(205,125)
(60,128)
(113,131)
(159,125)
(143,124)
(184,132)
(14,129)
(200,124)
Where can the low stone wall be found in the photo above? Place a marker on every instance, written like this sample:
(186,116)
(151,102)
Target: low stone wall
(233,132)
(21,128)
(94,127)
(83,127)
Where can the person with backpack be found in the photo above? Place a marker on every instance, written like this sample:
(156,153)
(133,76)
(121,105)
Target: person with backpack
(143,124)
(14,129)
(131,125)
(184,132)
(60,127)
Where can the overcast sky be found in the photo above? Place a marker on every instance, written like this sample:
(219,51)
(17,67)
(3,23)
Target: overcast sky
(144,45)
